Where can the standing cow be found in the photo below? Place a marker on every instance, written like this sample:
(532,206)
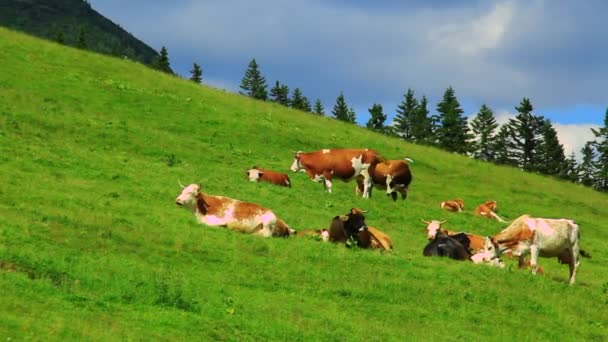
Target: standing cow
(345,164)
(392,175)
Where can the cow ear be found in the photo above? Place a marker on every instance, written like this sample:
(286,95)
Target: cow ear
(344,218)
(260,173)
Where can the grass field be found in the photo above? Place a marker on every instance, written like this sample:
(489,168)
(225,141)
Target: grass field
(93,247)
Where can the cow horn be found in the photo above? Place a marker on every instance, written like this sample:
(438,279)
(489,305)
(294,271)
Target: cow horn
(180,184)
(442,222)
(427,222)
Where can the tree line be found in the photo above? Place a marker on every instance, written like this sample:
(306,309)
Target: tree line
(527,141)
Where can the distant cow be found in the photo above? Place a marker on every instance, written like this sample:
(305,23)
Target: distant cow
(539,237)
(231,213)
(392,175)
(453,205)
(255,174)
(476,242)
(352,227)
(444,245)
(488,210)
(339,163)
(321,234)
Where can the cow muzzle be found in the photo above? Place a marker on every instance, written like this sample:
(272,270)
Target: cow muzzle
(178,203)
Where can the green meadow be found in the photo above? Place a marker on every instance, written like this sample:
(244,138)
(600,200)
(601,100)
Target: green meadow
(93,247)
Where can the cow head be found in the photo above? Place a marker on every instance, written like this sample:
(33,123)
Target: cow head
(254,174)
(433,227)
(491,205)
(188,196)
(296,165)
(490,254)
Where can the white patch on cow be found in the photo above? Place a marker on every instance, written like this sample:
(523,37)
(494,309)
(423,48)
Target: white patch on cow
(325,235)
(389,180)
(318,178)
(362,169)
(254,175)
(295,166)
(213,220)
(328,185)
(432,229)
(326,151)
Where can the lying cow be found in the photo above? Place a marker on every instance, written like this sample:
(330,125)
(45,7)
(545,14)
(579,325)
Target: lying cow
(321,234)
(392,175)
(345,164)
(453,205)
(352,227)
(539,237)
(476,242)
(233,214)
(445,245)
(488,210)
(256,174)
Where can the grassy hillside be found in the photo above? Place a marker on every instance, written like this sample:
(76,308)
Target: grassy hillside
(92,245)
(66,18)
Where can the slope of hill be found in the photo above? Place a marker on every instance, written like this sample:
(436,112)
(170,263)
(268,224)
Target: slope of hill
(49,19)
(92,245)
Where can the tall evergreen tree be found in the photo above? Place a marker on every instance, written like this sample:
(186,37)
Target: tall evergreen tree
(318,109)
(280,94)
(352,116)
(82,39)
(524,136)
(376,122)
(297,99)
(484,126)
(162,63)
(453,134)
(586,169)
(571,169)
(551,158)
(500,147)
(196,74)
(420,125)
(601,165)
(341,111)
(306,104)
(406,110)
(253,83)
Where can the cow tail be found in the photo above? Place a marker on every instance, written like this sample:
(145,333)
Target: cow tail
(584,254)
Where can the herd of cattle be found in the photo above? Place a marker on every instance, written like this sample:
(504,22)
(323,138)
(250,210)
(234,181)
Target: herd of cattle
(525,235)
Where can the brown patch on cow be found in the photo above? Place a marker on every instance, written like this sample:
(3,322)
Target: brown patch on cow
(281,229)
(277,178)
(246,210)
(452,205)
(211,205)
(379,239)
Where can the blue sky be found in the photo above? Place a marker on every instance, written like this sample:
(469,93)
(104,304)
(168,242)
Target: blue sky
(493,52)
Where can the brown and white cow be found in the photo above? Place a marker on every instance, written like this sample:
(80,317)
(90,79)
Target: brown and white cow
(255,174)
(539,237)
(392,175)
(233,214)
(452,205)
(476,242)
(338,163)
(488,210)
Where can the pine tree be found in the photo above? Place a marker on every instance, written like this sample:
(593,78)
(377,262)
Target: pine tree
(82,39)
(196,73)
(601,164)
(484,127)
(376,122)
(253,83)
(280,94)
(420,125)
(500,148)
(551,158)
(297,99)
(162,63)
(306,104)
(340,110)
(571,169)
(524,136)
(586,169)
(405,111)
(318,109)
(453,134)
(352,116)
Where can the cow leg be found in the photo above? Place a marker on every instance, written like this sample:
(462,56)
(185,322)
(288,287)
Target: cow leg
(389,188)
(534,258)
(327,176)
(574,262)
(367,184)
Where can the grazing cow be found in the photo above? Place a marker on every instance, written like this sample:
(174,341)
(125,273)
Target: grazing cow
(256,174)
(352,227)
(476,242)
(453,205)
(392,175)
(444,245)
(488,210)
(539,237)
(233,214)
(340,163)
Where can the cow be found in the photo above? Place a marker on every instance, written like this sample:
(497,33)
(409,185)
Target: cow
(445,245)
(255,174)
(351,228)
(476,242)
(453,205)
(539,237)
(345,164)
(320,234)
(231,213)
(488,210)
(392,175)
(488,258)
